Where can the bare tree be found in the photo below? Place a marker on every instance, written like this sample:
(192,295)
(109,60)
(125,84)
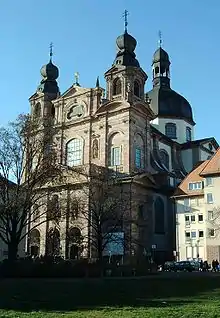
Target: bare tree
(213,219)
(27,165)
(101,207)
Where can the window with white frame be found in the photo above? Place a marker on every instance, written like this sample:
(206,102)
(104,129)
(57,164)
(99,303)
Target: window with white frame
(187,235)
(116,156)
(209,198)
(208,181)
(187,218)
(195,185)
(211,232)
(210,215)
(193,234)
(193,218)
(200,218)
(201,233)
(74,152)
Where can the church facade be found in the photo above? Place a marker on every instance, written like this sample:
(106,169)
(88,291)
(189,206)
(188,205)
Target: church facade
(147,138)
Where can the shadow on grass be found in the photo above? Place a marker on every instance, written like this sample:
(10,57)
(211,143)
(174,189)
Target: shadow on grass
(69,295)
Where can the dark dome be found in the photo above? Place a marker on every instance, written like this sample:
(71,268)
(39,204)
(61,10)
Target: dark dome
(50,71)
(126,42)
(170,104)
(160,55)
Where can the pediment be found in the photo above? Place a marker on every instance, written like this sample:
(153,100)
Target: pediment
(74,91)
(145,109)
(113,106)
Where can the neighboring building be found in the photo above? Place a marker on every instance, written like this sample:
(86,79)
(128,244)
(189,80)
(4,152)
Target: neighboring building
(149,138)
(198,212)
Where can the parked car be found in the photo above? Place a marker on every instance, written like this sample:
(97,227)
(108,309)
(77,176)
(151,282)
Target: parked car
(169,266)
(186,266)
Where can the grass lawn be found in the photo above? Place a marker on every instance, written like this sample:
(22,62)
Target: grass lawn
(176,295)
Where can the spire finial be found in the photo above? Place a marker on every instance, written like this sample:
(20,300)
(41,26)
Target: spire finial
(160,38)
(97,82)
(125,16)
(76,75)
(51,51)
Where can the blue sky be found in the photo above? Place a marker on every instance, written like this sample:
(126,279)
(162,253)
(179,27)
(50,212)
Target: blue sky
(84,33)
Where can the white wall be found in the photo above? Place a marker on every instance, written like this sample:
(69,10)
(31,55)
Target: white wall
(159,123)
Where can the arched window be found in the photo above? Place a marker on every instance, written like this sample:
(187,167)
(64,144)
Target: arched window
(37,111)
(170,130)
(75,241)
(115,150)
(74,152)
(95,149)
(35,242)
(157,70)
(188,134)
(159,216)
(54,211)
(136,88)
(53,243)
(164,157)
(139,151)
(117,86)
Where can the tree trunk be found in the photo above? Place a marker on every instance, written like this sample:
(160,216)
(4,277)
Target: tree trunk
(12,251)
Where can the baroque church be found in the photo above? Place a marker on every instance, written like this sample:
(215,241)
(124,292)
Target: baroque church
(146,136)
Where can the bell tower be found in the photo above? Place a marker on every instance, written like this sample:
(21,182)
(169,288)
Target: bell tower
(125,79)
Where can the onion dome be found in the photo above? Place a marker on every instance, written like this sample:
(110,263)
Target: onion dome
(126,42)
(49,71)
(160,56)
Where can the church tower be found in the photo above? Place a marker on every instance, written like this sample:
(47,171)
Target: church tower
(48,90)
(174,117)
(126,79)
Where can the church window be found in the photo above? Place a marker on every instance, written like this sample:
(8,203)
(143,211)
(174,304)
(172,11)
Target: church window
(136,88)
(139,152)
(74,152)
(115,150)
(116,156)
(95,149)
(117,86)
(54,211)
(37,111)
(188,134)
(170,130)
(157,70)
(159,216)
(164,157)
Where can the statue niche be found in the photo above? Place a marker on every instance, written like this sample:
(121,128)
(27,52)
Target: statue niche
(95,149)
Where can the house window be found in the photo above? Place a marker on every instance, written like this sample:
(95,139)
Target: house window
(117,86)
(136,88)
(209,198)
(208,181)
(193,234)
(201,234)
(187,235)
(159,216)
(195,186)
(193,218)
(187,218)
(116,156)
(211,232)
(188,134)
(74,156)
(200,218)
(210,215)
(170,130)
(164,157)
